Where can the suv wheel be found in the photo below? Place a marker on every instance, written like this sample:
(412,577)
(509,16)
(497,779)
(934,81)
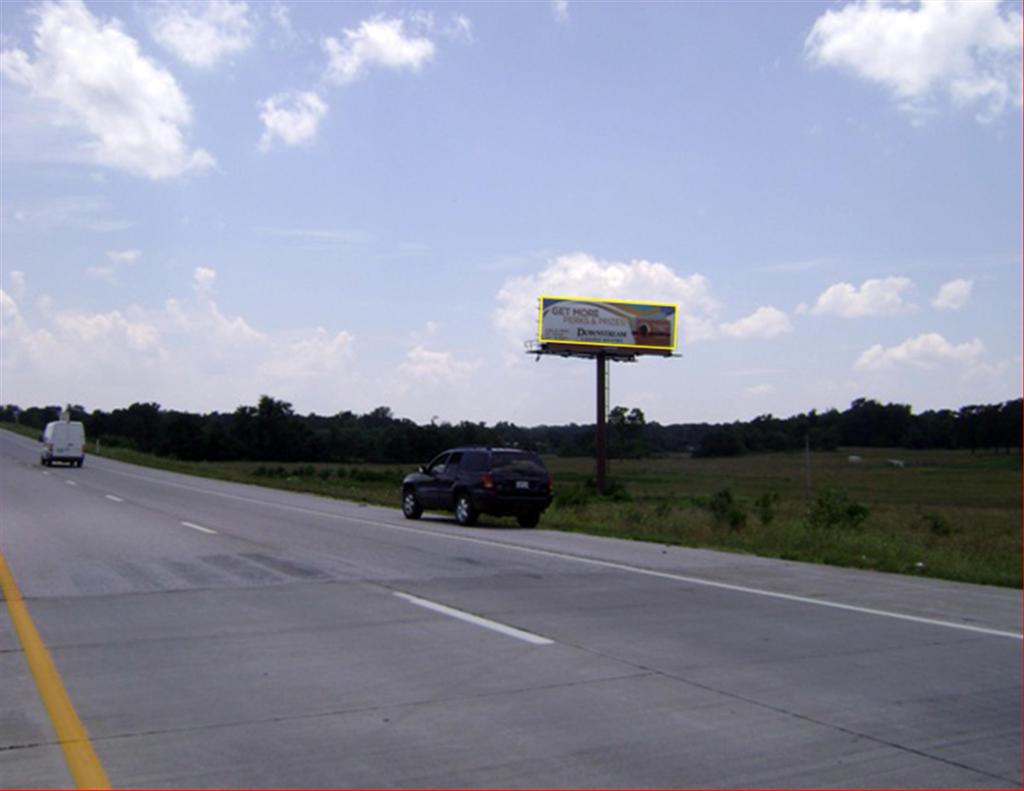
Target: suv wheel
(411,507)
(465,513)
(528,520)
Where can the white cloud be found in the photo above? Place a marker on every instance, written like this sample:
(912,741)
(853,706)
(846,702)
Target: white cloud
(292,118)
(98,83)
(72,211)
(953,295)
(560,8)
(758,391)
(187,353)
(765,322)
(423,334)
(459,29)
(110,329)
(9,312)
(118,258)
(321,237)
(105,273)
(927,351)
(432,367)
(970,51)
(582,275)
(377,42)
(876,297)
(18,283)
(311,357)
(124,256)
(203,279)
(202,34)
(282,17)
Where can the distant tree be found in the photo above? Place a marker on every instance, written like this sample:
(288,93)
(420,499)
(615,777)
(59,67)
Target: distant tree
(378,418)
(38,417)
(271,431)
(626,429)
(721,441)
(140,423)
(217,440)
(183,437)
(277,433)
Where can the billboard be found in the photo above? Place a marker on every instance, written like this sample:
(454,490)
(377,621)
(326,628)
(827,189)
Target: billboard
(608,323)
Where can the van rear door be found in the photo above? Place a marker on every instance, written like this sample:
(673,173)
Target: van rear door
(68,440)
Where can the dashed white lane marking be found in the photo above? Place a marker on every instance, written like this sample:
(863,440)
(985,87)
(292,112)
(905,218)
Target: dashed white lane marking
(588,561)
(494,626)
(200,528)
(71,483)
(114,498)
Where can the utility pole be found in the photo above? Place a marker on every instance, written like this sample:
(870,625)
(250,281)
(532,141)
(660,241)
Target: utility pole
(602,427)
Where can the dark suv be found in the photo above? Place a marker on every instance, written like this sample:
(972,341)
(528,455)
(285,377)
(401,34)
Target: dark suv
(474,481)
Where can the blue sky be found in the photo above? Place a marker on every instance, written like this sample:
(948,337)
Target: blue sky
(345,205)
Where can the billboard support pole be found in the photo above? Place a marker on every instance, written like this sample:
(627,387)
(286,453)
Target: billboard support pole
(603,330)
(601,444)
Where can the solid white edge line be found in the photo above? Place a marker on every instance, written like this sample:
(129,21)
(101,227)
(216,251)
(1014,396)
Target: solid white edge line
(591,561)
(200,528)
(494,626)
(113,498)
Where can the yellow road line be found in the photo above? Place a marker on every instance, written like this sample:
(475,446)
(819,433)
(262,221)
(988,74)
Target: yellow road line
(82,760)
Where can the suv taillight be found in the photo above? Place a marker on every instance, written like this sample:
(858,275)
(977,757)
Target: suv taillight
(487,480)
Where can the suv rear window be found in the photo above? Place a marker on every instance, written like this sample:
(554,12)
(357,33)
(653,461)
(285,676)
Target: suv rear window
(517,460)
(475,461)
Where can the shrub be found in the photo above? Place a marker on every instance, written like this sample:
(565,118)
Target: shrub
(726,510)
(834,510)
(937,524)
(662,509)
(576,497)
(270,472)
(765,506)
(374,476)
(613,490)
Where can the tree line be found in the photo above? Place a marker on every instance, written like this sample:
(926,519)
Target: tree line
(270,430)
(868,423)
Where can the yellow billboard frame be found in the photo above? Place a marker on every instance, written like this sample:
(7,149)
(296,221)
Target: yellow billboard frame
(598,302)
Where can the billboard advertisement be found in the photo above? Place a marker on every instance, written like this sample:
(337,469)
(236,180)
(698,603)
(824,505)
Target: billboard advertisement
(568,321)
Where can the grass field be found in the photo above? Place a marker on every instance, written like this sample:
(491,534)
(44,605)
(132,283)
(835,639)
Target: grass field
(948,514)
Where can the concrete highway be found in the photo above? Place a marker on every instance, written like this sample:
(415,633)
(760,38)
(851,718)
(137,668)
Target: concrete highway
(216,635)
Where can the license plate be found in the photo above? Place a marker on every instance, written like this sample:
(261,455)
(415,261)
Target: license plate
(522,484)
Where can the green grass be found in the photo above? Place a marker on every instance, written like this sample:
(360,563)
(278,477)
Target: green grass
(948,514)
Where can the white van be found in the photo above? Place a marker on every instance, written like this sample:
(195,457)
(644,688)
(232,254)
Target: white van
(63,440)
